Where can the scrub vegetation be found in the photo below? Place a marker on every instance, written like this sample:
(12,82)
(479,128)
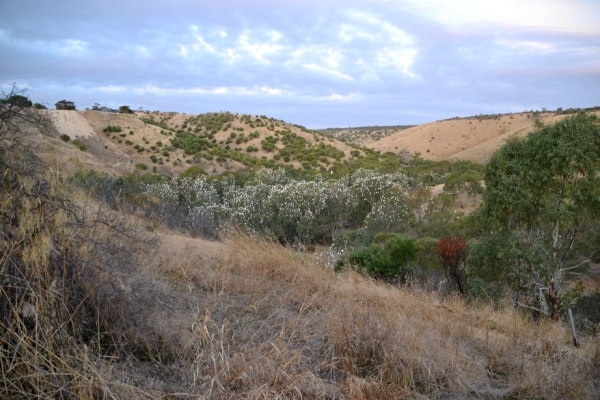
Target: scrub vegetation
(331,275)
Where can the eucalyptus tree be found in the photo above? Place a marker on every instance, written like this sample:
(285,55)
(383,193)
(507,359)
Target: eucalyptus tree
(542,194)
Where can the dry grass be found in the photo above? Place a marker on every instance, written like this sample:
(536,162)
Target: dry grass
(265,323)
(462,139)
(86,315)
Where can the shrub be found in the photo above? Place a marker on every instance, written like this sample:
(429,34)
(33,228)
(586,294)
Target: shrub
(141,166)
(79,144)
(193,172)
(388,261)
(65,138)
(110,128)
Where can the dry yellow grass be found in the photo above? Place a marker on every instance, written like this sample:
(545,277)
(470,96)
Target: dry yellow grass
(461,139)
(86,317)
(265,322)
(248,318)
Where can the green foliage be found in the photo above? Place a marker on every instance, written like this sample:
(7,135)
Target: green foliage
(268,144)
(65,138)
(193,172)
(79,144)
(17,100)
(110,129)
(141,166)
(542,192)
(352,239)
(428,258)
(387,260)
(125,110)
(39,106)
(65,105)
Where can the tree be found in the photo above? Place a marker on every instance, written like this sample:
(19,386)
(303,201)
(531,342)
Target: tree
(542,193)
(17,100)
(125,110)
(453,252)
(65,105)
(16,147)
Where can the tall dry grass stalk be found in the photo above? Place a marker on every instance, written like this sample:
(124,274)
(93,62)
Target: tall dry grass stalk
(66,267)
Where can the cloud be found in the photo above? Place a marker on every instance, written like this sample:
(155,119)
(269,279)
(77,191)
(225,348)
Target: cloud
(571,16)
(317,63)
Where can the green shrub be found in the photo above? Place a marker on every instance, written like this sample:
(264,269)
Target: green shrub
(110,128)
(428,258)
(352,239)
(141,166)
(78,144)
(389,261)
(65,138)
(193,172)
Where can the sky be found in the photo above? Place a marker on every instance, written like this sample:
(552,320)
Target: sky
(325,63)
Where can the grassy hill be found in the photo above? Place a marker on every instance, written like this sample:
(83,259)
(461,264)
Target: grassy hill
(472,138)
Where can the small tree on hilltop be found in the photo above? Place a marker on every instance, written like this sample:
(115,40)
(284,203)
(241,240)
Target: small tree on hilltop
(453,252)
(65,105)
(125,110)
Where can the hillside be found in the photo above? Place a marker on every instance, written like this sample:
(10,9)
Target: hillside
(473,138)
(170,143)
(363,135)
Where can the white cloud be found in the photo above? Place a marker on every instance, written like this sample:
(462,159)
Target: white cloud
(274,91)
(319,68)
(257,49)
(398,58)
(526,45)
(573,15)
(112,88)
(72,46)
(202,44)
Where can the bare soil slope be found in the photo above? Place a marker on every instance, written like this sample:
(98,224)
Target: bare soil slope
(70,123)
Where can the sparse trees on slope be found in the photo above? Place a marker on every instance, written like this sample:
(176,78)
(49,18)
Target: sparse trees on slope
(542,192)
